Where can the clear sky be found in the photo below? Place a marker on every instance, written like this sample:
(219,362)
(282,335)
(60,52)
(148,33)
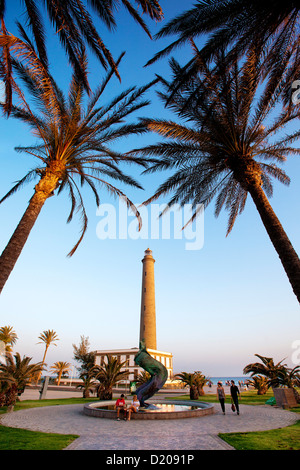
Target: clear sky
(216,306)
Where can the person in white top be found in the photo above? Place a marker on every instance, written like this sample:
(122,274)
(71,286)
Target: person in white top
(134,407)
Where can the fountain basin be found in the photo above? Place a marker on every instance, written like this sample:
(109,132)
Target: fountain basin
(162,409)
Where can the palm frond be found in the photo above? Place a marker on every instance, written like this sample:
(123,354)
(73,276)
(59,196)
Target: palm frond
(26,179)
(221,138)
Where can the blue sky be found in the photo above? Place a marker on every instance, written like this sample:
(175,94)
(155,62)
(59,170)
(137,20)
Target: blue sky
(216,307)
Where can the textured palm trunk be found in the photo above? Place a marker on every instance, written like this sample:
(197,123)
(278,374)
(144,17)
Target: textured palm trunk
(288,256)
(194,393)
(59,377)
(43,363)
(43,190)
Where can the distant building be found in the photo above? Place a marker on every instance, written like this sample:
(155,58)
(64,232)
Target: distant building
(128,355)
(147,328)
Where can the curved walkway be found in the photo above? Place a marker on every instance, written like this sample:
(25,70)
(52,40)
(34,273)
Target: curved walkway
(180,434)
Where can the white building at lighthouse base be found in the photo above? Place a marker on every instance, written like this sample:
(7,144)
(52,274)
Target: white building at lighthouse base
(128,355)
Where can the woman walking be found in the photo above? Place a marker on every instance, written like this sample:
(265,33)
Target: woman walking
(221,396)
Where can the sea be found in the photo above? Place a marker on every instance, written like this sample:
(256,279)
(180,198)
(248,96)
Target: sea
(215,380)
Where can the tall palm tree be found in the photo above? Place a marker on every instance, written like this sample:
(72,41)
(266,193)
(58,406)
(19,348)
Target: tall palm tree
(9,337)
(109,374)
(223,148)
(74,144)
(48,337)
(240,25)
(60,368)
(74,25)
(18,372)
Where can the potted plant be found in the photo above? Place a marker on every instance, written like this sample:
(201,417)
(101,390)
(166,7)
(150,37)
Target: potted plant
(280,378)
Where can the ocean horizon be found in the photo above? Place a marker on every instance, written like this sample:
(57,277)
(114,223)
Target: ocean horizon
(241,378)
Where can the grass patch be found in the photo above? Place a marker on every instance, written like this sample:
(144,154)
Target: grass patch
(22,405)
(248,397)
(26,404)
(21,439)
(287,438)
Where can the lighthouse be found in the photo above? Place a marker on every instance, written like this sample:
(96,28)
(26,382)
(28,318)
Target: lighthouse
(148,314)
(147,329)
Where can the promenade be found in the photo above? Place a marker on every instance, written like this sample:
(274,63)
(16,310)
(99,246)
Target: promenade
(183,434)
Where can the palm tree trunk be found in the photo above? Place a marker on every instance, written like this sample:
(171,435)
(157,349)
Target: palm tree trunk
(43,190)
(194,393)
(43,363)
(288,256)
(59,377)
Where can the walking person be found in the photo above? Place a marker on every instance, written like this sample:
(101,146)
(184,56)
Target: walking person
(235,393)
(221,396)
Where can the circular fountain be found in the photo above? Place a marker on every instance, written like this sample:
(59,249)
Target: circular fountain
(162,409)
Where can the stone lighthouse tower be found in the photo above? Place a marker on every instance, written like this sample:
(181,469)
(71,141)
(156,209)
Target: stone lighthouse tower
(148,315)
(147,330)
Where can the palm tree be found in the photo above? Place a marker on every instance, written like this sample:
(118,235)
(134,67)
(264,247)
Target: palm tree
(60,368)
(48,337)
(200,381)
(277,375)
(260,383)
(223,148)
(9,337)
(109,374)
(8,393)
(18,373)
(266,368)
(143,378)
(75,27)
(189,380)
(240,26)
(88,385)
(74,144)
(290,378)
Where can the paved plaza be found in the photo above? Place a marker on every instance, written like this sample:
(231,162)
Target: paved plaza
(180,434)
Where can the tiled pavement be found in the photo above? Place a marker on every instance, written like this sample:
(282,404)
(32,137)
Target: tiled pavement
(180,434)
